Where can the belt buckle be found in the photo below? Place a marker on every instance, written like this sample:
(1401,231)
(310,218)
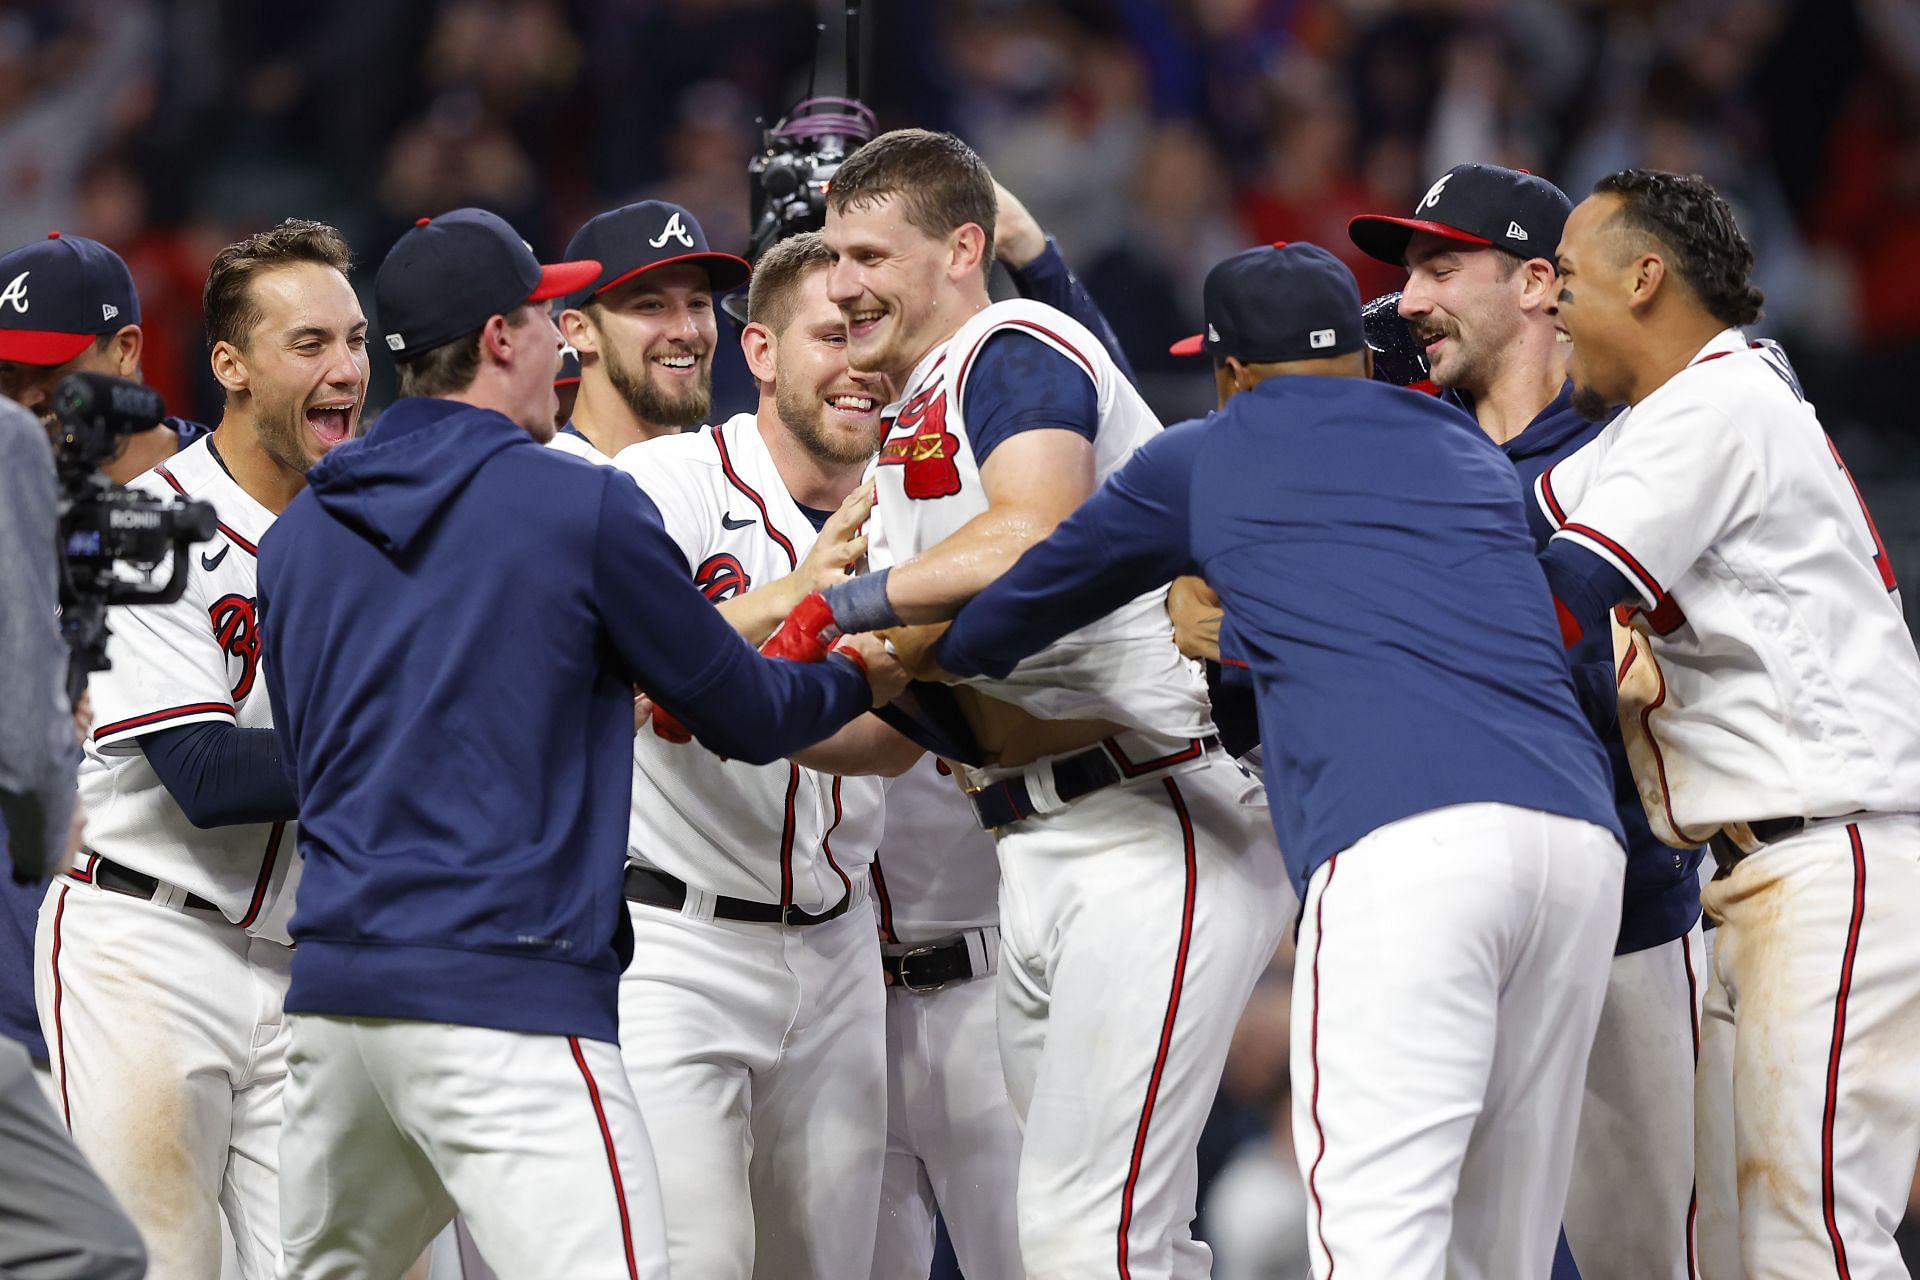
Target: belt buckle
(910,953)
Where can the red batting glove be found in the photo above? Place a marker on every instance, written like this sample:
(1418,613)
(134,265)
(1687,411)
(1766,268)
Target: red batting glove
(807,634)
(666,726)
(844,647)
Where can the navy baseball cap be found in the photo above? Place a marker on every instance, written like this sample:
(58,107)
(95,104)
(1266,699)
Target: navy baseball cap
(1478,204)
(448,275)
(1276,303)
(640,237)
(58,295)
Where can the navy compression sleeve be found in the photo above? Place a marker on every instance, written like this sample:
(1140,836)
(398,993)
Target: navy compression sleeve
(222,775)
(1129,537)
(1048,279)
(676,646)
(1585,585)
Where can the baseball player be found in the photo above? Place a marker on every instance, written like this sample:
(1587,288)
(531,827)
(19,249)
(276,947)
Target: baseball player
(645,330)
(461,935)
(1448,824)
(162,958)
(1137,903)
(953,1147)
(49,330)
(1480,281)
(1767,691)
(754,1007)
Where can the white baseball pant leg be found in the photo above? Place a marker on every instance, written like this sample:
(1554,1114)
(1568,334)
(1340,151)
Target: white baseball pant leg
(1133,926)
(758,1055)
(1633,1154)
(1450,974)
(1808,1102)
(953,1148)
(536,1138)
(168,1050)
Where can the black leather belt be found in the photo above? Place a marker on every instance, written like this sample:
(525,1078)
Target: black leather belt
(930,967)
(1007,801)
(1766,831)
(658,889)
(115,878)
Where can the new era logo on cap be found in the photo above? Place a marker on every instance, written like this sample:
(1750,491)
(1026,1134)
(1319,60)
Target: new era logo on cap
(61,294)
(1475,204)
(1278,303)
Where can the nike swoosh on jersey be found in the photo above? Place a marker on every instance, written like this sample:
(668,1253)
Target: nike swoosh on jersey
(210,563)
(728,522)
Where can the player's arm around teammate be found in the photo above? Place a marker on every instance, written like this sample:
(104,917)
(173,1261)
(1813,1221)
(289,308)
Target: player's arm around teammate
(172,1085)
(1767,686)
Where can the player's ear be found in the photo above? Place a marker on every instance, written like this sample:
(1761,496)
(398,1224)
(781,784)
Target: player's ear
(496,340)
(757,343)
(1649,273)
(579,332)
(125,347)
(1540,284)
(967,250)
(229,365)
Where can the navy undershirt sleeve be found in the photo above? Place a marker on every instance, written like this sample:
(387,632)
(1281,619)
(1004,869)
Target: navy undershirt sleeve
(1585,583)
(1129,537)
(1048,279)
(1019,383)
(222,775)
(675,645)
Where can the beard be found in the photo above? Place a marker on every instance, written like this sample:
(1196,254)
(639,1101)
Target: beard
(652,403)
(805,417)
(1590,404)
(281,428)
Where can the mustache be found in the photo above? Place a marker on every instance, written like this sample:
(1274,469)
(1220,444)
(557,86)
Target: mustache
(1425,333)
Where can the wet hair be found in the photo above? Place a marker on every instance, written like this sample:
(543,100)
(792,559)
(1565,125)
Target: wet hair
(1696,228)
(942,183)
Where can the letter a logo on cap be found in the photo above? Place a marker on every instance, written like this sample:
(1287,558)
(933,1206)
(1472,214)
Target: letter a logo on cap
(1432,198)
(672,231)
(16,292)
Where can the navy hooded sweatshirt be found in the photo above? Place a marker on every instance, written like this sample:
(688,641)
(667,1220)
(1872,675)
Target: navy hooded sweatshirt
(453,621)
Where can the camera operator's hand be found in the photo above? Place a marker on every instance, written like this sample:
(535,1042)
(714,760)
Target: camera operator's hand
(1017,236)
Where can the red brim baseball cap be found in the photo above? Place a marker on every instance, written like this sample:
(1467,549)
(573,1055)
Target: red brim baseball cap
(1473,204)
(1191,346)
(1380,236)
(40,347)
(562,278)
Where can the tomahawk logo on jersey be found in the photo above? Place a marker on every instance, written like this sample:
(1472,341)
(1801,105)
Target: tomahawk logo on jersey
(695,815)
(196,659)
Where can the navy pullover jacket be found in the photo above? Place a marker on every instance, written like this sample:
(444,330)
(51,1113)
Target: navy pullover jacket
(454,620)
(1662,897)
(1372,553)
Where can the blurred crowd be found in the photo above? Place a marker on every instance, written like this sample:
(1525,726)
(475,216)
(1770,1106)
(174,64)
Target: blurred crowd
(1151,137)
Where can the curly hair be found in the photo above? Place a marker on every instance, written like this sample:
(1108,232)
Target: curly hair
(228,304)
(1696,227)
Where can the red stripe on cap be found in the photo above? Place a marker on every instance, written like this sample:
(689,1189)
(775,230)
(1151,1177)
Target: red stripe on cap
(41,346)
(1188,346)
(563,277)
(710,259)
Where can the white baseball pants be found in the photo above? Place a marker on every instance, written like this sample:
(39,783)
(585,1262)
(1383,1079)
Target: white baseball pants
(1633,1154)
(1808,1102)
(757,1053)
(535,1138)
(169,1055)
(1450,974)
(1133,923)
(953,1148)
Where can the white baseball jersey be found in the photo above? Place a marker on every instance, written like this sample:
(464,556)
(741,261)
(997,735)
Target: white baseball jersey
(567,440)
(1788,680)
(196,659)
(1123,668)
(771,833)
(935,873)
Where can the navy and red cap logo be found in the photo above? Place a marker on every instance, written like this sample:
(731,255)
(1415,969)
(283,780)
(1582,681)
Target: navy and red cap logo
(640,237)
(1476,204)
(58,295)
(447,276)
(1278,303)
